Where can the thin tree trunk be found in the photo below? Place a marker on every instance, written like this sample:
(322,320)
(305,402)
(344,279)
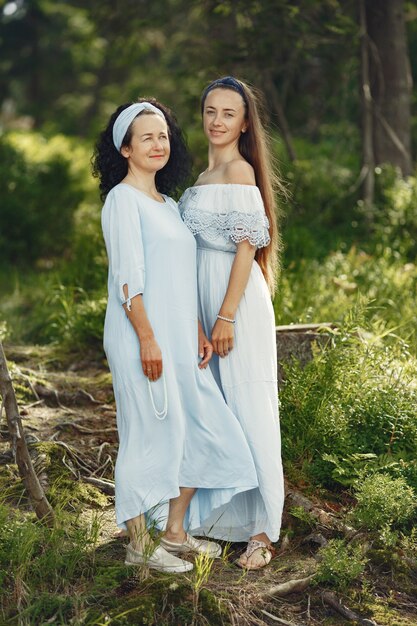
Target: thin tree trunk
(33,487)
(275,102)
(368,161)
(391,83)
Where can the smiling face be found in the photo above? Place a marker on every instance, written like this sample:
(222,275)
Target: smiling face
(149,147)
(223,116)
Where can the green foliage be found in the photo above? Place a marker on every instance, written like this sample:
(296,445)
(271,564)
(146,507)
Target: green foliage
(355,397)
(408,543)
(311,290)
(38,195)
(34,560)
(76,319)
(321,215)
(340,564)
(394,217)
(349,469)
(383,501)
(354,467)
(307,520)
(52,606)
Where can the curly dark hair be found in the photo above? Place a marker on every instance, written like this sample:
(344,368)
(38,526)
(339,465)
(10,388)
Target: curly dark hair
(110,167)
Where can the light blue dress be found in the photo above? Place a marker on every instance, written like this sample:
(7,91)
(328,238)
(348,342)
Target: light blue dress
(220,216)
(200,443)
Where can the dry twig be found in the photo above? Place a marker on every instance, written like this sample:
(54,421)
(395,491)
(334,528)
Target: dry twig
(333,601)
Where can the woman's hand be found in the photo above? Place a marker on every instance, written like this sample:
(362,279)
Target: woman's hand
(205,349)
(222,337)
(151,357)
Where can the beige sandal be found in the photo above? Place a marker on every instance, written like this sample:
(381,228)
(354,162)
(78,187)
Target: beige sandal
(268,553)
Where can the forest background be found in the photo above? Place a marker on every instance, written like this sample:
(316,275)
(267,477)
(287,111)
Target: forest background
(337,79)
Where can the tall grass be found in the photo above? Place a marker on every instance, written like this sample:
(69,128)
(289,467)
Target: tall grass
(43,569)
(323,291)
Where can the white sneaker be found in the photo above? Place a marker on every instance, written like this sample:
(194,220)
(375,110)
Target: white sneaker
(159,560)
(191,544)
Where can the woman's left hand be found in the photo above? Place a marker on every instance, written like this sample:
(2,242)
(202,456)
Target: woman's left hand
(222,337)
(205,349)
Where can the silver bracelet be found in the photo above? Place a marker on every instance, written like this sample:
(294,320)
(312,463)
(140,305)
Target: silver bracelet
(226,319)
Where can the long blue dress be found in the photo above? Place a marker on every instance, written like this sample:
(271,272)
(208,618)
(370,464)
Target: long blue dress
(220,216)
(200,443)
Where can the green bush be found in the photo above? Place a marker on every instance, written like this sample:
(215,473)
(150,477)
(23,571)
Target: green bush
(39,192)
(340,564)
(355,397)
(383,501)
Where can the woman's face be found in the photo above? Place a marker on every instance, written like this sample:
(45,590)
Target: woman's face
(149,148)
(223,116)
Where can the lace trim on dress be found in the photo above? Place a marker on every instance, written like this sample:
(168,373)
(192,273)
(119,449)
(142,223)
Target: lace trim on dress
(253,227)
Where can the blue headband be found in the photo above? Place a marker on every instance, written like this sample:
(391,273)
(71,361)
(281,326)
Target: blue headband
(227,81)
(126,117)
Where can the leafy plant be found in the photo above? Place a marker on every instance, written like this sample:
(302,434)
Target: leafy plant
(340,564)
(354,398)
(383,501)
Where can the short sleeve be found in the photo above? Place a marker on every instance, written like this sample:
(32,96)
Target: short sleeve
(247,220)
(123,237)
(234,212)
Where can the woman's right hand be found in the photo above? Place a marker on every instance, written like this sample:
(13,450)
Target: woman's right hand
(151,357)
(222,337)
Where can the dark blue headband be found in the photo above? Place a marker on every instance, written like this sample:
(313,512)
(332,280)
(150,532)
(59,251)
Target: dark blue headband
(227,81)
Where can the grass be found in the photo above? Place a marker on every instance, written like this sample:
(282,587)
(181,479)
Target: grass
(74,573)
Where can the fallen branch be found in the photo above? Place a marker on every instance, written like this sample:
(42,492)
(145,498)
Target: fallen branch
(107,486)
(32,404)
(279,620)
(333,601)
(328,520)
(290,586)
(27,472)
(63,398)
(52,396)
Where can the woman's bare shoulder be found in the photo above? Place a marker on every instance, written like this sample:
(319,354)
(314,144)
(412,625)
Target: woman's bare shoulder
(239,172)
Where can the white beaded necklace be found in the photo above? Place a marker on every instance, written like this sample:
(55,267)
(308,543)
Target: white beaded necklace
(160,415)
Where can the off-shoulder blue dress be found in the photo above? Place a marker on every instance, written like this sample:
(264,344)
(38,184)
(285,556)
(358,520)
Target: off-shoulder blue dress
(200,443)
(220,216)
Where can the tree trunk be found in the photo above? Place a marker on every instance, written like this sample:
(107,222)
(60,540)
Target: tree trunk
(33,487)
(368,160)
(391,83)
(275,104)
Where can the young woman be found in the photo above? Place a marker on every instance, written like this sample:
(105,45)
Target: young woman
(173,463)
(231,212)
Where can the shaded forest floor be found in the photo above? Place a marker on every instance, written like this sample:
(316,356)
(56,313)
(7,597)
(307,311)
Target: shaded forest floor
(69,416)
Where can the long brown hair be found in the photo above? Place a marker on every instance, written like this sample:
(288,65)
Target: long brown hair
(254,146)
